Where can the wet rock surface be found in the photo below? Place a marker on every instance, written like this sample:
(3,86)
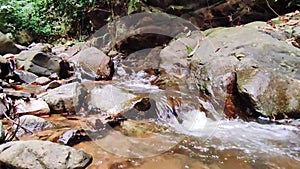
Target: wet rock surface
(42,154)
(266,69)
(110,99)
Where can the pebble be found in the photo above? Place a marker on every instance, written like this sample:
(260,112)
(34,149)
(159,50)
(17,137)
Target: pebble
(42,80)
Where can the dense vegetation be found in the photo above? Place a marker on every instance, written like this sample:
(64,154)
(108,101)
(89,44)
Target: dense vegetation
(45,17)
(52,19)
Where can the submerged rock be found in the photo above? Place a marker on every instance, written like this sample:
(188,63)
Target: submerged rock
(66,98)
(267,70)
(42,154)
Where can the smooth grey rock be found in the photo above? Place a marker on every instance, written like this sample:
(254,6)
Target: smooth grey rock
(25,76)
(7,45)
(95,63)
(66,98)
(32,123)
(38,62)
(32,107)
(176,53)
(42,154)
(267,69)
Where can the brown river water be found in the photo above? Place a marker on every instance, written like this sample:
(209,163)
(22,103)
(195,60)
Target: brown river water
(234,144)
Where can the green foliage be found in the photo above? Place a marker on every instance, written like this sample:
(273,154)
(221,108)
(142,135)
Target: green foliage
(45,17)
(189,50)
(134,6)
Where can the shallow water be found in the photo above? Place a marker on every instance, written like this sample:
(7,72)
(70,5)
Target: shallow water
(234,144)
(196,139)
(218,144)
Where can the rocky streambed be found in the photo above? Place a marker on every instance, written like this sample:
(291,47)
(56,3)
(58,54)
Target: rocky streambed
(223,98)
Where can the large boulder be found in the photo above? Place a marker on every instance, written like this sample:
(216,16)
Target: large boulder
(251,68)
(41,154)
(95,64)
(7,45)
(66,98)
(39,63)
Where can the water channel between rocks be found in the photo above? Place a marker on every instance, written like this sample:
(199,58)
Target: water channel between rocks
(163,140)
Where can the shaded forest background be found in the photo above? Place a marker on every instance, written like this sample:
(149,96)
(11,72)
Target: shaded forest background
(51,20)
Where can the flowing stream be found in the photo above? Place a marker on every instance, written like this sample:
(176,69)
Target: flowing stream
(196,136)
(198,139)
